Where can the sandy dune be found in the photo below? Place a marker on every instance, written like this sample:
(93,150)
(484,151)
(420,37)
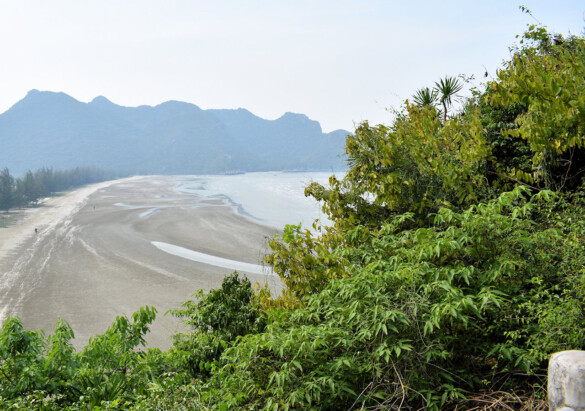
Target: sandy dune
(93,257)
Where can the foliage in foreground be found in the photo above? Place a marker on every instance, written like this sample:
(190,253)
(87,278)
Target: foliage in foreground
(214,321)
(426,315)
(38,371)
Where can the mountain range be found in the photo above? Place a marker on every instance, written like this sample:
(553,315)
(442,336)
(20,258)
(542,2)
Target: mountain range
(48,129)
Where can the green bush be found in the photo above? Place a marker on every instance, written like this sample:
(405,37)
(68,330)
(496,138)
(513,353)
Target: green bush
(215,319)
(46,372)
(427,315)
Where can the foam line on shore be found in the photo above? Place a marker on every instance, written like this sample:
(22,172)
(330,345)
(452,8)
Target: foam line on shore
(211,259)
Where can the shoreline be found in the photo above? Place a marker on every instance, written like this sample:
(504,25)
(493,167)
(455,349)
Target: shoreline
(48,212)
(94,257)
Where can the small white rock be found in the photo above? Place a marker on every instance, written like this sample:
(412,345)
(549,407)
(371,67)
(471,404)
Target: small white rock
(566,381)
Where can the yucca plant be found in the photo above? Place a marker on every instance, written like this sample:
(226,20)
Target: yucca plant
(425,97)
(447,88)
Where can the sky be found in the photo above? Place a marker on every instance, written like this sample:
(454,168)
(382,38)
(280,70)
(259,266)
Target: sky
(340,62)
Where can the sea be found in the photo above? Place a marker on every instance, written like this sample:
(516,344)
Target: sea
(270,198)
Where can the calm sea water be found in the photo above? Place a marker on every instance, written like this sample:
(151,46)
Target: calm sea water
(271,198)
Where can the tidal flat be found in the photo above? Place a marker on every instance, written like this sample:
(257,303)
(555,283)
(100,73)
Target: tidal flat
(94,257)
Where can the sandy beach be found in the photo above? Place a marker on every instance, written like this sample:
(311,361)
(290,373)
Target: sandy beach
(100,252)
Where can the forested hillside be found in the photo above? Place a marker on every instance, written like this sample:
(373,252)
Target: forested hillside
(47,129)
(453,268)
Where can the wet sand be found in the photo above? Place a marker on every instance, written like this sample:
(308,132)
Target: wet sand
(94,257)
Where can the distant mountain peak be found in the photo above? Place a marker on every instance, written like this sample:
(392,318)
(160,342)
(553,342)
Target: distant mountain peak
(292,115)
(101,101)
(36,93)
(37,98)
(297,118)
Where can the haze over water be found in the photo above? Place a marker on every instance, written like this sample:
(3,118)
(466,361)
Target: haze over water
(271,198)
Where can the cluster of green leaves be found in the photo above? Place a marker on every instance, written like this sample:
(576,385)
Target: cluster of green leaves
(44,372)
(444,91)
(304,261)
(426,314)
(514,132)
(434,227)
(546,77)
(214,321)
(418,164)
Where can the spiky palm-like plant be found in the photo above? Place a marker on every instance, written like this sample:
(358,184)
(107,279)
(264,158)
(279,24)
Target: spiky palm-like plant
(425,97)
(447,89)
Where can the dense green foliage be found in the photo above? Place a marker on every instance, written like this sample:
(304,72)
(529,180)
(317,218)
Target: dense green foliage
(426,314)
(214,321)
(44,372)
(548,81)
(448,268)
(454,266)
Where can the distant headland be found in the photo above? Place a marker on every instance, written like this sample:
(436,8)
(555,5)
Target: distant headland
(50,129)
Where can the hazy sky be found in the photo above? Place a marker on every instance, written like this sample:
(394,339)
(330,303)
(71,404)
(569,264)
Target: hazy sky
(340,62)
